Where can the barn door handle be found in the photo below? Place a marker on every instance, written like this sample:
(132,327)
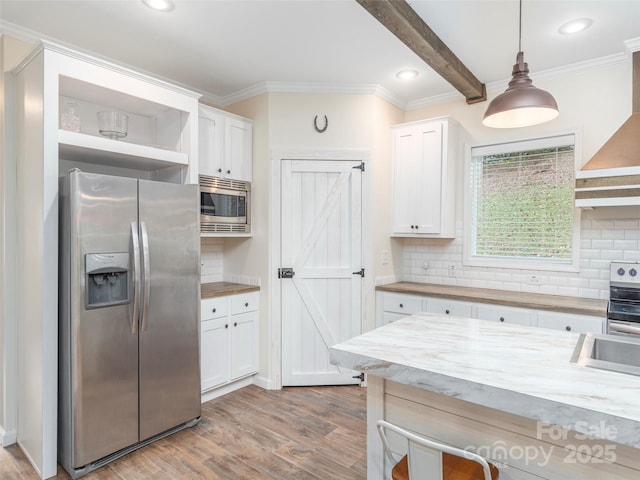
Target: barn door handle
(286,273)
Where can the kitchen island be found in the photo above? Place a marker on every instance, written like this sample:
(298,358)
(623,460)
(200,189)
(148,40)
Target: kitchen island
(507,392)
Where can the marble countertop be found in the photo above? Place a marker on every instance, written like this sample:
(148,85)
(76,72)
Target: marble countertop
(220,289)
(557,303)
(520,370)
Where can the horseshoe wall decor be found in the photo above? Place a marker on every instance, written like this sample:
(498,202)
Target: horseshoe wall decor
(315,124)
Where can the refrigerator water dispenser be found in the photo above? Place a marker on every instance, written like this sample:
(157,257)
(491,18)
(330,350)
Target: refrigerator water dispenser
(107,279)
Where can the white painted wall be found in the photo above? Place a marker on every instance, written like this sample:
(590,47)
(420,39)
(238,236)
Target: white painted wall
(284,122)
(596,102)
(3,175)
(12,51)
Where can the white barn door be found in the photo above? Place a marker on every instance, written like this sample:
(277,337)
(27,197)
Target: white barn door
(321,241)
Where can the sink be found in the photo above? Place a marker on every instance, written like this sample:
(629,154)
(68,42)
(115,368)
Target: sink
(608,352)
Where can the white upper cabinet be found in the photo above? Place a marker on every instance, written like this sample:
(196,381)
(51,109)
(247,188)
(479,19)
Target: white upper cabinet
(425,157)
(225,144)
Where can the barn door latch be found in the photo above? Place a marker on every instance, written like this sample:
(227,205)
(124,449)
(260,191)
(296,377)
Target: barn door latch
(286,273)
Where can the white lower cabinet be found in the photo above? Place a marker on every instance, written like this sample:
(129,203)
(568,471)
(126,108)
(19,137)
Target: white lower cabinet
(229,339)
(392,306)
(570,322)
(244,345)
(214,353)
(395,306)
(500,313)
(449,307)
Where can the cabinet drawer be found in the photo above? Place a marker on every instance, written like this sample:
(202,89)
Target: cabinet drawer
(214,308)
(399,303)
(388,317)
(245,302)
(497,313)
(448,307)
(570,322)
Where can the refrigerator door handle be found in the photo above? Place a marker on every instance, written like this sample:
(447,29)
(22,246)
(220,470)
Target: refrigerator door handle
(135,277)
(146,274)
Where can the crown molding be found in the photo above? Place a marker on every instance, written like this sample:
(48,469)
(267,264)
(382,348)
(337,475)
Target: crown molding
(501,85)
(632,45)
(19,33)
(314,88)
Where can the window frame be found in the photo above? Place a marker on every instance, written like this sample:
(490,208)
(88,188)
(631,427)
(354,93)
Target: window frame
(469,259)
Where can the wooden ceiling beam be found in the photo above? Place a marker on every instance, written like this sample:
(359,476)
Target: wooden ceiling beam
(400,19)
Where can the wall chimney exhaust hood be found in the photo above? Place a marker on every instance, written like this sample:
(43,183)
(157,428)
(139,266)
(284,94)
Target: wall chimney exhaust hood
(612,176)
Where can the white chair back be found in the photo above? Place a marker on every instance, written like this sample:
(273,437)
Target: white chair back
(425,456)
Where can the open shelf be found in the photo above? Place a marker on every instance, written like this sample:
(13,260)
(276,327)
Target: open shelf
(91,149)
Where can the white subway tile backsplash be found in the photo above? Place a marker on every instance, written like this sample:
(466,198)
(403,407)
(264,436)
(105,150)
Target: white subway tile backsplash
(613,234)
(602,244)
(590,293)
(569,291)
(211,260)
(591,273)
(625,244)
(602,240)
(589,253)
(632,234)
(626,224)
(631,256)
(549,289)
(611,255)
(602,224)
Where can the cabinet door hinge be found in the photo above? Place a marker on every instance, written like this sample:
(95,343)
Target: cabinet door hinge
(360,167)
(286,273)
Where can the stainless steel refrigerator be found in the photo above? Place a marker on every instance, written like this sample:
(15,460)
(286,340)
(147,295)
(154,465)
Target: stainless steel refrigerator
(129,369)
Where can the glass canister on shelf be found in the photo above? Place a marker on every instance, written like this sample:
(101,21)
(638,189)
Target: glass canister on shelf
(70,117)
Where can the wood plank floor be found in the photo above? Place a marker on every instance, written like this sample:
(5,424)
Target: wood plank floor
(296,433)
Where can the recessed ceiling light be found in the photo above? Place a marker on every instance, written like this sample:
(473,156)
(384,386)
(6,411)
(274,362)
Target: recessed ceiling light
(575,26)
(161,5)
(407,74)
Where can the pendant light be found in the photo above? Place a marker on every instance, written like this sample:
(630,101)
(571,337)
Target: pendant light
(522,104)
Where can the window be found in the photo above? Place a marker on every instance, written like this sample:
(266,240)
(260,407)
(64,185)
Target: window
(522,204)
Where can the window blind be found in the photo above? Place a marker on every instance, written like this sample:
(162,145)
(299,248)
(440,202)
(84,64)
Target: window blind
(522,202)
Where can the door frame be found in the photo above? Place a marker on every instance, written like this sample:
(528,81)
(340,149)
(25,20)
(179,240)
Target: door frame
(368,297)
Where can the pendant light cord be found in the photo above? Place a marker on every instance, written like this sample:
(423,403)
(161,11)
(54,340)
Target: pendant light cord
(520,29)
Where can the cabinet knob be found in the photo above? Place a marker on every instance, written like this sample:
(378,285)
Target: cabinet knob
(226,325)
(219,170)
(568,328)
(246,304)
(228,172)
(447,311)
(213,310)
(401,306)
(235,324)
(502,319)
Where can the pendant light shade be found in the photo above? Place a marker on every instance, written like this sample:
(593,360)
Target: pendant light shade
(522,104)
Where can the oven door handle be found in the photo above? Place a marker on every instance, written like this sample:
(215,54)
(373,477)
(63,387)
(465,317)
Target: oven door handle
(623,328)
(623,316)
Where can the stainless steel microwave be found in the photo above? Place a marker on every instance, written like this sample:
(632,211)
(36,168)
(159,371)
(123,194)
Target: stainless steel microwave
(225,205)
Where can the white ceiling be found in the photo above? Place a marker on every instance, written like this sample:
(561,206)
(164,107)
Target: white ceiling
(221,47)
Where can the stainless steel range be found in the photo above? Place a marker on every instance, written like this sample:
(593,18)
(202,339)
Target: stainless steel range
(623,313)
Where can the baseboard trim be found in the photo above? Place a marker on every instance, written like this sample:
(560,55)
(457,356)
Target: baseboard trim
(8,437)
(223,390)
(264,382)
